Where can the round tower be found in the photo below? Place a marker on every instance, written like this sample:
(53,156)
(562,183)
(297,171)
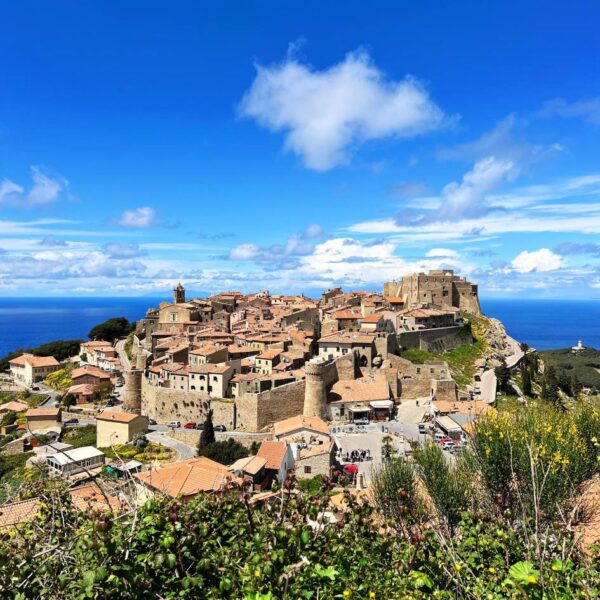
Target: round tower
(132,391)
(140,359)
(315,392)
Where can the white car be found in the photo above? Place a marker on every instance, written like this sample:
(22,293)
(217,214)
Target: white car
(175,424)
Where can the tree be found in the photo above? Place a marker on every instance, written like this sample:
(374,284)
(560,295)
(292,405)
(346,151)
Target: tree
(576,386)
(503,376)
(207,436)
(140,441)
(68,400)
(526,380)
(224,452)
(550,388)
(111,330)
(103,391)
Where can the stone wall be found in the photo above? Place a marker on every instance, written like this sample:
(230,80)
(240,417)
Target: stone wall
(191,437)
(165,405)
(435,340)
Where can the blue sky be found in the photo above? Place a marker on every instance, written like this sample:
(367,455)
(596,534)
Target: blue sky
(293,146)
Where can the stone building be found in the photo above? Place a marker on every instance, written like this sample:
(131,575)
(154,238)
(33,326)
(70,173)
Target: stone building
(29,369)
(440,288)
(118,427)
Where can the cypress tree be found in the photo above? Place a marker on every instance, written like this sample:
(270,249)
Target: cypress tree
(526,380)
(208,433)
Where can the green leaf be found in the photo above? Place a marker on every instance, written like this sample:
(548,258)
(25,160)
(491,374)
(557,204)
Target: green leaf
(523,573)
(420,579)
(305,536)
(326,573)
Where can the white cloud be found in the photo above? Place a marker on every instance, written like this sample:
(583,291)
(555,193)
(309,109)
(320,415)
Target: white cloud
(139,218)
(244,252)
(120,251)
(45,189)
(468,198)
(441,252)
(541,260)
(588,110)
(324,113)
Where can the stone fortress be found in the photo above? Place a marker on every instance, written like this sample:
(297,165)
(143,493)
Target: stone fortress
(255,359)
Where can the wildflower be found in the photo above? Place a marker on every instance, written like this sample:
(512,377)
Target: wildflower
(532,579)
(492,570)
(457,566)
(346,593)
(371,594)
(554,568)
(256,573)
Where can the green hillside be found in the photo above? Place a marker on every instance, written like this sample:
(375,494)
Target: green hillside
(585,365)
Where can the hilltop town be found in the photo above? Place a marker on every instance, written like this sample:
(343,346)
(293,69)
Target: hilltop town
(382,421)
(307,384)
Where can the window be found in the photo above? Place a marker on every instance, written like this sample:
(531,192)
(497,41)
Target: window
(307,469)
(173,317)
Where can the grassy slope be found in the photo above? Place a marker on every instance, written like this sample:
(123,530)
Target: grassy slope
(462,359)
(585,365)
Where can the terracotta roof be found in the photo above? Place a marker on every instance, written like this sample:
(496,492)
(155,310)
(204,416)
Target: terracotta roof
(89,370)
(464,407)
(91,498)
(273,452)
(364,389)
(300,422)
(348,314)
(82,388)
(96,344)
(186,477)
(42,412)
(19,512)
(395,300)
(210,368)
(342,337)
(206,350)
(254,464)
(374,318)
(118,417)
(14,406)
(270,354)
(35,361)
(316,450)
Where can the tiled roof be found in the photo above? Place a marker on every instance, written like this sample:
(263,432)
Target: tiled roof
(300,422)
(342,337)
(82,388)
(19,512)
(89,370)
(118,417)
(14,406)
(273,452)
(35,361)
(219,369)
(270,354)
(43,412)
(364,389)
(374,318)
(92,498)
(206,350)
(315,450)
(186,477)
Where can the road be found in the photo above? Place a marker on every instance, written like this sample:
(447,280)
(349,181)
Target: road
(162,437)
(489,383)
(120,348)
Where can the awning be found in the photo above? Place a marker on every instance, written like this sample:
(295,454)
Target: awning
(360,409)
(382,404)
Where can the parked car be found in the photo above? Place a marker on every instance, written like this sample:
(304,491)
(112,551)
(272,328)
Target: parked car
(361,421)
(438,437)
(422,427)
(35,388)
(351,469)
(190,425)
(199,426)
(448,445)
(71,422)
(175,424)
(151,422)
(220,428)
(444,440)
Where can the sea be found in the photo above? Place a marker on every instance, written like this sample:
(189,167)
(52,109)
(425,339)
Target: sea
(29,322)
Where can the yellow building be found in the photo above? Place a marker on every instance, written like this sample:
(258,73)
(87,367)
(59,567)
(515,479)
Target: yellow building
(42,418)
(114,428)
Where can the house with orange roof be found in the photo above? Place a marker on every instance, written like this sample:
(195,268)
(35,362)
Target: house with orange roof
(183,479)
(266,361)
(38,419)
(89,374)
(301,430)
(118,427)
(29,369)
(279,459)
